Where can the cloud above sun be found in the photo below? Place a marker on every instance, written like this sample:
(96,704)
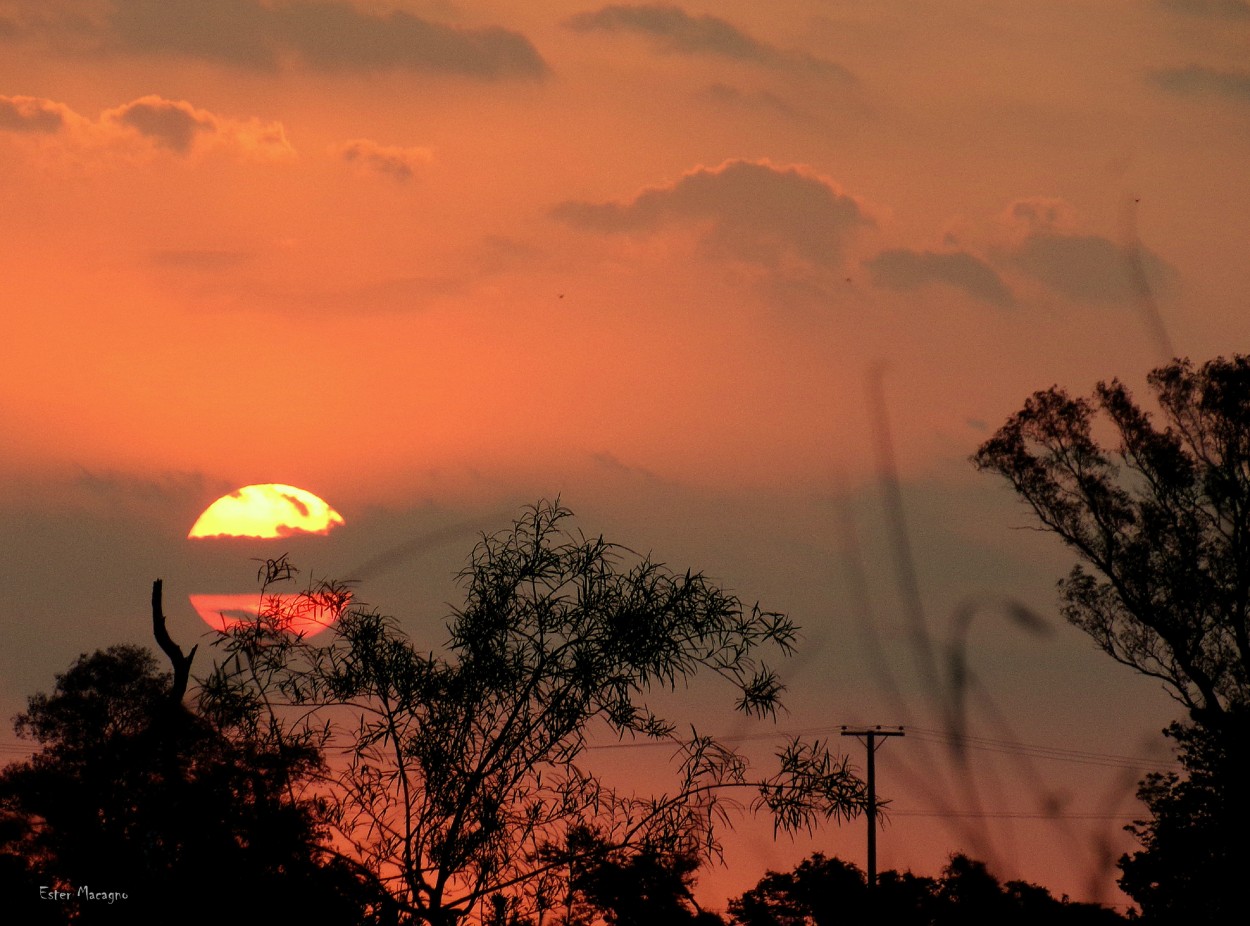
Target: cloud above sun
(323,36)
(747,210)
(146,124)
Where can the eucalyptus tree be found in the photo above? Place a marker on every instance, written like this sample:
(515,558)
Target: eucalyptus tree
(1160,523)
(458,777)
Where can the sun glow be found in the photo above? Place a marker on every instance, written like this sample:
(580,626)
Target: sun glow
(304,615)
(266,510)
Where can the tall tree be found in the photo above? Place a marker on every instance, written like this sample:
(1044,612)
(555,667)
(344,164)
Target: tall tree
(1161,525)
(465,773)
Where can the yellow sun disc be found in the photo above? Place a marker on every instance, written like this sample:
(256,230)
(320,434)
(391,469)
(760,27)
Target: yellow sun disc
(267,510)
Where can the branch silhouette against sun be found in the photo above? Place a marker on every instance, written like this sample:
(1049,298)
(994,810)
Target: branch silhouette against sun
(454,776)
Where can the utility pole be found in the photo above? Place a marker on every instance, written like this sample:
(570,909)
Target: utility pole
(870,740)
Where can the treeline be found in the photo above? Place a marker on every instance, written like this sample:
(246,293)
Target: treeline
(646,890)
(138,810)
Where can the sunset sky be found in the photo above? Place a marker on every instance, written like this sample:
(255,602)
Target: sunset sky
(435,260)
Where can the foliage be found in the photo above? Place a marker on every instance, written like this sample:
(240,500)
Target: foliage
(1163,524)
(1163,521)
(647,886)
(823,891)
(462,773)
(1194,848)
(132,793)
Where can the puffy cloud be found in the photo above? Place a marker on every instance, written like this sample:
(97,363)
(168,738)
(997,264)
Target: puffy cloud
(1221,9)
(399,163)
(750,210)
(31,114)
(179,127)
(325,35)
(677,31)
(907,270)
(153,121)
(1039,214)
(1196,80)
(172,124)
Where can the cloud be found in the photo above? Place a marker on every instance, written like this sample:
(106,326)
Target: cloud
(750,210)
(903,269)
(172,124)
(679,32)
(1196,80)
(1216,9)
(324,35)
(1040,214)
(179,127)
(1047,245)
(1087,268)
(399,163)
(728,95)
(30,114)
(148,122)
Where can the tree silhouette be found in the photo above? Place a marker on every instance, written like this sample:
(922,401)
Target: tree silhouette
(1161,525)
(820,891)
(1193,847)
(643,886)
(465,774)
(823,891)
(131,793)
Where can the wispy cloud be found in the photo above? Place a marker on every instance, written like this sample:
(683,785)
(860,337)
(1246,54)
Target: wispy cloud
(1216,9)
(1196,80)
(728,95)
(903,269)
(676,31)
(391,161)
(747,210)
(325,36)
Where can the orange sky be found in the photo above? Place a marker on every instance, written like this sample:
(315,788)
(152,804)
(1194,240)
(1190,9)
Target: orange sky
(434,259)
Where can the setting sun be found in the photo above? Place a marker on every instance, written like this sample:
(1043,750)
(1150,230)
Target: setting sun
(266,510)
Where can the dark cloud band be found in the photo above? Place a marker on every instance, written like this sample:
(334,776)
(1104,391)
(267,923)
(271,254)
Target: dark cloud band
(327,36)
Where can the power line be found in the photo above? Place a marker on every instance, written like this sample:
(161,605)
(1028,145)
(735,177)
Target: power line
(978,743)
(1005,814)
(1032,750)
